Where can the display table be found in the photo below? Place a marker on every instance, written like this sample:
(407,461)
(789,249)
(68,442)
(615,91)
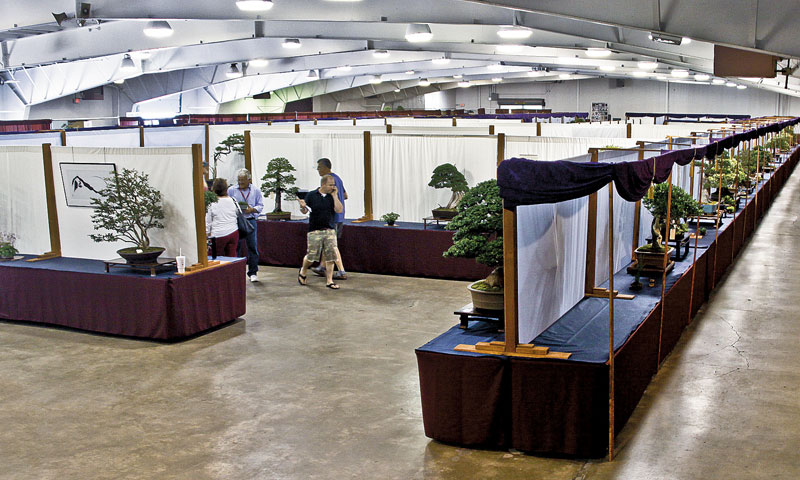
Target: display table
(560,407)
(78,293)
(370,247)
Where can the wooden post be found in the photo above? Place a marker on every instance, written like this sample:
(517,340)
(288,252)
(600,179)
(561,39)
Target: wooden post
(501,148)
(454,122)
(611,321)
(388,128)
(367,178)
(63,138)
(208,136)
(696,240)
(491,129)
(629,129)
(538,129)
(354,122)
(716,230)
(52,210)
(637,214)
(248,153)
(664,275)
(591,237)
(199,204)
(691,173)
(296,128)
(511,324)
(141,136)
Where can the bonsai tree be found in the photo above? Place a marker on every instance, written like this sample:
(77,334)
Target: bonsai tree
(479,231)
(279,180)
(128,206)
(233,144)
(447,175)
(7,249)
(728,169)
(209,197)
(390,218)
(683,207)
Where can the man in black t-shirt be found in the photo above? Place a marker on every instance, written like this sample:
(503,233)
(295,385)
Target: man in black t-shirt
(324,204)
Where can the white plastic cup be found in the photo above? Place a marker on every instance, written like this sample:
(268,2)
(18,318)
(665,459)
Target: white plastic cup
(180,260)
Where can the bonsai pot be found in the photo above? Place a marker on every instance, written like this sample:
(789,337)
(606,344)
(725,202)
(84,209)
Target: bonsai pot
(147,255)
(709,208)
(482,300)
(279,216)
(390,224)
(652,260)
(444,213)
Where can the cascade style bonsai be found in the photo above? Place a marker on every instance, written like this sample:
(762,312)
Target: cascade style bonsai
(279,180)
(479,231)
(447,175)
(128,207)
(683,207)
(233,144)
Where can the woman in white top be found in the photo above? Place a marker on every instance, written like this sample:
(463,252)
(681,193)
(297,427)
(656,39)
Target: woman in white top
(221,224)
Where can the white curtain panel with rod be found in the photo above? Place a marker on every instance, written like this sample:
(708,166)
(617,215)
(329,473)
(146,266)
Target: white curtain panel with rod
(30,139)
(117,137)
(23,201)
(185,136)
(170,172)
(345,151)
(584,130)
(402,166)
(558,148)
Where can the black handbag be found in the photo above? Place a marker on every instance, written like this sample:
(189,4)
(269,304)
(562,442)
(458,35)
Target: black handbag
(245,228)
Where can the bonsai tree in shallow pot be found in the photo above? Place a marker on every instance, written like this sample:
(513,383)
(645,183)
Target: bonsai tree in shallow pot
(479,235)
(447,175)
(279,180)
(7,249)
(129,207)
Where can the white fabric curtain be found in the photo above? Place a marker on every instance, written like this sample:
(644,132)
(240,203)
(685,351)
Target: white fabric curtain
(118,137)
(584,130)
(480,122)
(345,151)
(438,130)
(185,136)
(170,172)
(517,129)
(30,139)
(657,133)
(419,122)
(558,148)
(23,201)
(370,122)
(402,166)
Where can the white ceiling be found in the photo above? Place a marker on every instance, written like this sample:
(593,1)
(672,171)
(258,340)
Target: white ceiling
(42,61)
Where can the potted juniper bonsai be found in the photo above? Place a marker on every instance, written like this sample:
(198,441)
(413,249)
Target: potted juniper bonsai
(447,175)
(128,207)
(479,234)
(279,180)
(683,207)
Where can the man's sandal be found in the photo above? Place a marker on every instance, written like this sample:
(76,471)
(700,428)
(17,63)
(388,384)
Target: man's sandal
(332,286)
(301,279)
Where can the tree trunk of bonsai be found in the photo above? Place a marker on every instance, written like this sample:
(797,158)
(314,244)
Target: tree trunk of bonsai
(495,279)
(278,202)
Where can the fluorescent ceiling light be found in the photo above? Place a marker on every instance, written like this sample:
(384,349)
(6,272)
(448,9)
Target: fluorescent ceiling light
(658,77)
(564,76)
(597,52)
(258,62)
(686,41)
(127,64)
(607,68)
(424,83)
(509,48)
(702,77)
(313,75)
(291,43)
(344,68)
(418,32)
(463,84)
(440,61)
(233,72)
(458,76)
(254,5)
(647,65)
(157,29)
(380,53)
(497,79)
(741,87)
(375,79)
(514,32)
(118,81)
(396,90)
(410,72)
(495,67)
(718,81)
(639,74)
(679,73)
(665,38)
(730,84)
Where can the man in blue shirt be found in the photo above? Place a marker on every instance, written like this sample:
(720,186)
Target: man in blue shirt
(252,202)
(324,168)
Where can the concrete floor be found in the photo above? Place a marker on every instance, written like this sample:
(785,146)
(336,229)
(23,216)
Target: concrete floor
(317,384)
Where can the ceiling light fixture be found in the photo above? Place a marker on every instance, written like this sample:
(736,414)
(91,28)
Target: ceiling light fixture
(233,72)
(424,83)
(597,52)
(119,81)
(718,81)
(497,79)
(127,64)
(418,32)
(312,75)
(291,43)
(741,87)
(679,73)
(458,76)
(665,38)
(254,5)
(380,53)
(258,62)
(639,74)
(607,68)
(375,79)
(410,72)
(158,29)
(514,32)
(702,77)
(647,65)
(463,84)
(686,41)
(730,84)
(396,90)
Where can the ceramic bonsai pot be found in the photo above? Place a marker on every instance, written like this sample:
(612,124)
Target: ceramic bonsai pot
(444,213)
(482,300)
(145,255)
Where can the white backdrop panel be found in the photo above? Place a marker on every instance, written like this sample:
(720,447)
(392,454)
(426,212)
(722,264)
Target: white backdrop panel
(479,122)
(170,171)
(402,166)
(420,122)
(558,148)
(370,122)
(118,137)
(657,133)
(346,152)
(23,201)
(30,139)
(184,136)
(584,130)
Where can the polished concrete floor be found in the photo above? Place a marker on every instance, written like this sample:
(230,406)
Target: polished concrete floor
(318,384)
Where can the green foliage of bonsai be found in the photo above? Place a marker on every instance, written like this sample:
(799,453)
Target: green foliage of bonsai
(7,248)
(781,141)
(209,197)
(479,229)
(128,206)
(390,217)
(726,167)
(751,160)
(233,144)
(279,180)
(447,175)
(683,206)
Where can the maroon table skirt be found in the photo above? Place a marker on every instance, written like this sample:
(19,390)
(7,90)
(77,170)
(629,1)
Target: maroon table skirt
(77,293)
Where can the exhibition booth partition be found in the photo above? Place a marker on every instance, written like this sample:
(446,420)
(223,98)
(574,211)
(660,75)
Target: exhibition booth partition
(591,341)
(64,278)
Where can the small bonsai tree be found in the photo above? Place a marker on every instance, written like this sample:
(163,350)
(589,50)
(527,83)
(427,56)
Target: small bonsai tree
(129,207)
(7,249)
(447,175)
(209,197)
(729,169)
(683,207)
(390,218)
(479,231)
(233,144)
(279,180)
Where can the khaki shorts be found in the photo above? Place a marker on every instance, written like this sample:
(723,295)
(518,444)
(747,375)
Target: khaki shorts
(322,245)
